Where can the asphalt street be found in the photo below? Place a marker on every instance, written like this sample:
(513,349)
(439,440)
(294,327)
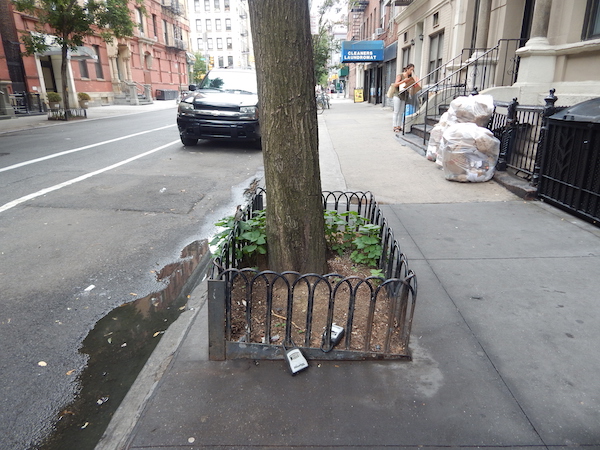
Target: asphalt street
(91,211)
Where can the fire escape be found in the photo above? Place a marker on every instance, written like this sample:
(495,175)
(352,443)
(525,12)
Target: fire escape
(356,19)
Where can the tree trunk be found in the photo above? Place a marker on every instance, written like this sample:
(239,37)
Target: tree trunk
(284,64)
(63,75)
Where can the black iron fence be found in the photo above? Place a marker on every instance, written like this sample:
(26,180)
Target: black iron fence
(27,103)
(560,158)
(252,314)
(520,130)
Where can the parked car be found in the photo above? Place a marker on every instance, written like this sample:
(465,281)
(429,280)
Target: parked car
(223,106)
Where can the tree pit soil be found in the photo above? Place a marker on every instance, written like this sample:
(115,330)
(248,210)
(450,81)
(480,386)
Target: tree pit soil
(362,324)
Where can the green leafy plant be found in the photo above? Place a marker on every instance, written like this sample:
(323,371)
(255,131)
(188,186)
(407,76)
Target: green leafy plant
(350,232)
(53,97)
(367,245)
(83,96)
(340,229)
(346,232)
(377,273)
(254,236)
(251,239)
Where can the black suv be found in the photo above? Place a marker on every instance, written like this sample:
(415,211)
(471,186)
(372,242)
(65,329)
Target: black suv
(223,106)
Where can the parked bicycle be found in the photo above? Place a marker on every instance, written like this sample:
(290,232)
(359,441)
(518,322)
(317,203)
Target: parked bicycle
(322,102)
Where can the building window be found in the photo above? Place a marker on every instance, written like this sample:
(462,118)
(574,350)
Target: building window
(83,68)
(154,26)
(406,57)
(206,5)
(219,43)
(227,24)
(199,25)
(209,44)
(197,5)
(208,25)
(166,32)
(177,32)
(226,5)
(436,19)
(229,43)
(436,49)
(140,20)
(217,5)
(217,24)
(591,26)
(98,62)
(230,61)
(200,44)
(221,61)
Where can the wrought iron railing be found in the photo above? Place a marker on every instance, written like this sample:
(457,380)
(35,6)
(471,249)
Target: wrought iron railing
(472,71)
(252,314)
(520,130)
(26,103)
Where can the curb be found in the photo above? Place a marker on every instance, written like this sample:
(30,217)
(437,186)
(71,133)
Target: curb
(516,185)
(120,429)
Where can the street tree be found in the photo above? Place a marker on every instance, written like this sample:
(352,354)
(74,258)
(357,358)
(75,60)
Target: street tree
(284,64)
(200,68)
(323,42)
(66,23)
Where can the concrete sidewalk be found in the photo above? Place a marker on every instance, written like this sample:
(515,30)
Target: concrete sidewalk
(505,336)
(25,122)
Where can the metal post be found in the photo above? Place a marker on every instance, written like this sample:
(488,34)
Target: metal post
(507,135)
(216,320)
(549,109)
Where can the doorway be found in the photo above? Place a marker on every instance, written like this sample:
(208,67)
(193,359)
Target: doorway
(48,74)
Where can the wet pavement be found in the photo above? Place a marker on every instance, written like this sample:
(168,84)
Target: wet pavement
(504,338)
(118,348)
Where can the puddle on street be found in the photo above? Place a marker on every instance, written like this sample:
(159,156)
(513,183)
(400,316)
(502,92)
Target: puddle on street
(118,347)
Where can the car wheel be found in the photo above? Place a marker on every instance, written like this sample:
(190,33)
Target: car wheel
(189,142)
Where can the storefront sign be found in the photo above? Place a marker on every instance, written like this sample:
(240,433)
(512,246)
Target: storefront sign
(358,96)
(362,51)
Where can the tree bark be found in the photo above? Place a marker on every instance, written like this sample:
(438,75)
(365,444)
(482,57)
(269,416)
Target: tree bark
(284,64)
(63,75)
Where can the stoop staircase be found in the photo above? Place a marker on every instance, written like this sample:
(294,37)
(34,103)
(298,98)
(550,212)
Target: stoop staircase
(472,71)
(134,93)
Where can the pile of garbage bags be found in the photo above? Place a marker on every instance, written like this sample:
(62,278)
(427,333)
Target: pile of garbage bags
(460,143)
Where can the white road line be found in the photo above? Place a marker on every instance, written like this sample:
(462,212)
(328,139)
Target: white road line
(55,155)
(18,201)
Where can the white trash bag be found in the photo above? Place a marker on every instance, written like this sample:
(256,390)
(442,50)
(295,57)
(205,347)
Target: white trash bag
(435,135)
(469,153)
(473,109)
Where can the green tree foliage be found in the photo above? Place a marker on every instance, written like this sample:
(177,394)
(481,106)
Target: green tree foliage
(323,43)
(200,68)
(66,23)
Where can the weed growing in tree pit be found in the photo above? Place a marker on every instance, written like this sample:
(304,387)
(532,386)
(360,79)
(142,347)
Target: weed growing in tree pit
(349,232)
(346,233)
(252,237)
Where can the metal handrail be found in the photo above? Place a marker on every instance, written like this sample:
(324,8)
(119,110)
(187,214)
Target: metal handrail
(445,88)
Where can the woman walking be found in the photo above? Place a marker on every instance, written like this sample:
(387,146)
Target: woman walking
(404,79)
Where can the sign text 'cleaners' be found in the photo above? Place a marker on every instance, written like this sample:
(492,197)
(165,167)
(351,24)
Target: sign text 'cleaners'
(362,51)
